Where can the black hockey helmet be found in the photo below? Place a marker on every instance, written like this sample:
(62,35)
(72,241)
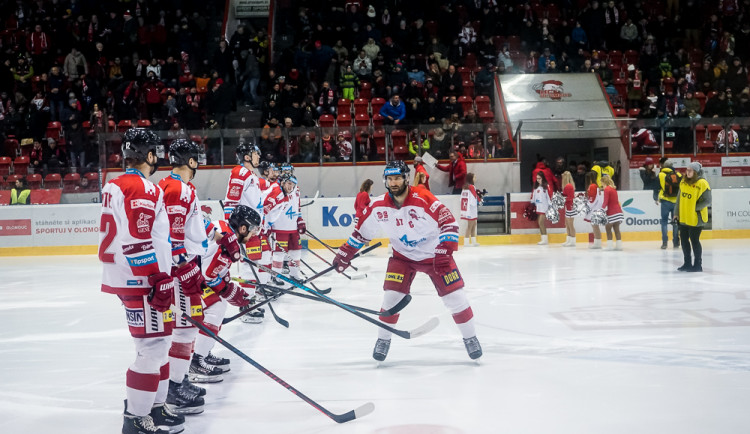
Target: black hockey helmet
(286,177)
(246,149)
(182,150)
(287,168)
(243,215)
(265,166)
(396,167)
(138,142)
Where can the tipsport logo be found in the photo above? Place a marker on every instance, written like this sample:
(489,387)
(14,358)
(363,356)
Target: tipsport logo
(635,221)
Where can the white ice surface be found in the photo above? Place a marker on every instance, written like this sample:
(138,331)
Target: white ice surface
(575,341)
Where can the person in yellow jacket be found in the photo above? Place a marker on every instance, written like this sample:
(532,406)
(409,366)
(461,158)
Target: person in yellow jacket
(602,168)
(20,194)
(691,211)
(669,185)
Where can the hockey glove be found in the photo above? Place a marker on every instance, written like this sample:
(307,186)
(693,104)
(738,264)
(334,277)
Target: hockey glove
(301,226)
(345,254)
(235,295)
(443,258)
(230,246)
(190,277)
(162,291)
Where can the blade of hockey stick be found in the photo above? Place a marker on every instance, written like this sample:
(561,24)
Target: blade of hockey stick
(428,326)
(278,319)
(374,246)
(312,201)
(358,412)
(248,309)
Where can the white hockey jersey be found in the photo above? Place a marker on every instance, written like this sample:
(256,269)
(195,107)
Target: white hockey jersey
(469,203)
(287,212)
(243,189)
(414,229)
(133,234)
(187,229)
(214,265)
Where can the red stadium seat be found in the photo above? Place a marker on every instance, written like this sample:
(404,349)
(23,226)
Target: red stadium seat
(705,146)
(143,123)
(344,120)
(54,130)
(668,145)
(361,106)
(470,60)
(5,166)
(362,120)
(124,125)
(93,180)
(377,104)
(634,112)
(365,90)
(483,103)
(70,182)
(466,102)
(487,116)
(344,106)
(621,113)
(326,121)
(468,88)
(400,148)
(465,73)
(53,180)
(378,136)
(12,149)
(712,132)
(377,120)
(34,180)
(21,165)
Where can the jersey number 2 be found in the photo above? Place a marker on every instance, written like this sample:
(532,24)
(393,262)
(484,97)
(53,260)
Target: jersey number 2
(109,229)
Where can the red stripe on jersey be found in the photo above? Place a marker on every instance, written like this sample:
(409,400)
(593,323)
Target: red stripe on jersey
(463,316)
(181,350)
(144,382)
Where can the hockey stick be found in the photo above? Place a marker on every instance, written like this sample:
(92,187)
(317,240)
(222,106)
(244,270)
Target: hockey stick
(312,201)
(358,412)
(392,311)
(372,247)
(424,328)
(278,319)
(325,291)
(354,277)
(245,310)
(311,235)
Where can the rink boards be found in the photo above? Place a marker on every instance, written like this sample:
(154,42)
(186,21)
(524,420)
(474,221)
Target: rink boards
(74,228)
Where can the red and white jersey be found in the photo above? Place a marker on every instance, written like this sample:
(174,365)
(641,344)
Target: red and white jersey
(243,189)
(213,264)
(187,230)
(133,234)
(285,218)
(542,198)
(611,201)
(414,229)
(275,206)
(469,203)
(265,184)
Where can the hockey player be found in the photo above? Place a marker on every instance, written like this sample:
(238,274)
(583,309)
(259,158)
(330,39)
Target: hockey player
(269,173)
(188,236)
(282,211)
(242,225)
(136,260)
(424,236)
(244,189)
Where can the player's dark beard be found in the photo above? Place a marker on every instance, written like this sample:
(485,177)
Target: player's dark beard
(400,190)
(153,167)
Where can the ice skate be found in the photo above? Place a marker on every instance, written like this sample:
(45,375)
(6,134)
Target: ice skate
(133,424)
(381,349)
(473,347)
(192,387)
(253,317)
(165,418)
(201,372)
(182,400)
(220,362)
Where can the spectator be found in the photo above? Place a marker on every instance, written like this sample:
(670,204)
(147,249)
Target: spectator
(362,199)
(20,193)
(394,112)
(349,82)
(397,80)
(77,142)
(484,82)
(669,185)
(326,98)
(420,169)
(649,177)
(691,211)
(329,147)
(452,82)
(75,65)
(307,148)
(344,148)
(36,157)
(363,66)
(456,170)
(55,159)
(549,177)
(418,143)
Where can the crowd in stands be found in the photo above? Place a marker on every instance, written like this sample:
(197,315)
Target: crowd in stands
(70,69)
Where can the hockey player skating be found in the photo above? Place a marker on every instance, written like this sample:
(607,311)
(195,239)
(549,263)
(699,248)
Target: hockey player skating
(245,189)
(223,250)
(136,260)
(424,235)
(188,236)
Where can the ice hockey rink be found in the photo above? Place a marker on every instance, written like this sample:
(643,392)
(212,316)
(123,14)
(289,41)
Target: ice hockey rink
(575,341)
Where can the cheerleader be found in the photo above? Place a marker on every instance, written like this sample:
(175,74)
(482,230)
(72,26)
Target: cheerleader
(362,200)
(541,200)
(569,191)
(614,213)
(469,203)
(595,197)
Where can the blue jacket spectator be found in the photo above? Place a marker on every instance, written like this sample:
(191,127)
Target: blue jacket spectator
(393,112)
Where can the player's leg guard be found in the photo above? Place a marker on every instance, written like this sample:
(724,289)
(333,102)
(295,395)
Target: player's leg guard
(266,261)
(459,307)
(200,371)
(161,391)
(390,299)
(144,375)
(294,260)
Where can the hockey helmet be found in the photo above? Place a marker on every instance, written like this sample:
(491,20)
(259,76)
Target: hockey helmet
(287,177)
(138,142)
(243,215)
(266,166)
(246,149)
(396,167)
(287,168)
(182,150)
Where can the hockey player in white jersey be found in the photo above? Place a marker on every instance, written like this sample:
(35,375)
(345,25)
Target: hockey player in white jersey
(189,243)
(220,291)
(282,209)
(136,258)
(424,235)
